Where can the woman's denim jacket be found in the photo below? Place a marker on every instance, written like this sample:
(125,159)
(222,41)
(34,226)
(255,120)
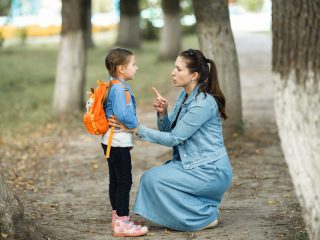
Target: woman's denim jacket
(197,134)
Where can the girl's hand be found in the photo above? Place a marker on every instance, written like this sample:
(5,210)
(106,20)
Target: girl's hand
(113,121)
(160,104)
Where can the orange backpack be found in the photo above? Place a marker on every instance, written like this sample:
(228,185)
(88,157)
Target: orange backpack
(95,119)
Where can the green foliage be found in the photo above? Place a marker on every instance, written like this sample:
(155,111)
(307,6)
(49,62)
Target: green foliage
(1,40)
(186,7)
(149,32)
(22,34)
(149,3)
(251,5)
(5,7)
(150,13)
(186,30)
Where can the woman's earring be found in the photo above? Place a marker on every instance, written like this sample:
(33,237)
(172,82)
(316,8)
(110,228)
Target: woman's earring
(192,81)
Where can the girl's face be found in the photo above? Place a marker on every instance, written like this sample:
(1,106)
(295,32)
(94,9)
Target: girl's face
(181,75)
(128,71)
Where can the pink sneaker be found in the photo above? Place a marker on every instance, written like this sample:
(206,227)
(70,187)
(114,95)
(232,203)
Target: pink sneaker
(114,214)
(125,227)
(113,218)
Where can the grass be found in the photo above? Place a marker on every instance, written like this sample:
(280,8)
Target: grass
(28,74)
(294,235)
(27,80)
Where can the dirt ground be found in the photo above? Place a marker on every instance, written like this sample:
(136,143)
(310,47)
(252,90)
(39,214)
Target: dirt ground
(65,189)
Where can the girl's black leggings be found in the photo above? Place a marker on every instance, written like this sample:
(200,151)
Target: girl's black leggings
(120,178)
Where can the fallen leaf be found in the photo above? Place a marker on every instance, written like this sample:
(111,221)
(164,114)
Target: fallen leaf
(272,202)
(87,139)
(4,235)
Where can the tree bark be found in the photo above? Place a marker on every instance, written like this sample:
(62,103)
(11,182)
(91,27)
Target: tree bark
(296,67)
(129,30)
(13,225)
(88,13)
(70,75)
(11,210)
(170,35)
(216,41)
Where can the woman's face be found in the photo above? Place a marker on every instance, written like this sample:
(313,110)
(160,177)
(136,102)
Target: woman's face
(181,75)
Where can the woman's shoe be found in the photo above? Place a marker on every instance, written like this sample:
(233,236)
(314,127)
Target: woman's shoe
(211,225)
(125,227)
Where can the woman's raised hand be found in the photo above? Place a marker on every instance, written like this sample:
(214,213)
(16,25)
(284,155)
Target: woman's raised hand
(160,104)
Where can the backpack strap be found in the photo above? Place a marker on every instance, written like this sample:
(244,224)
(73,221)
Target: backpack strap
(110,142)
(128,97)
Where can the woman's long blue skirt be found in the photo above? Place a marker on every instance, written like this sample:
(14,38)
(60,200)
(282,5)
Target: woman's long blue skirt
(181,199)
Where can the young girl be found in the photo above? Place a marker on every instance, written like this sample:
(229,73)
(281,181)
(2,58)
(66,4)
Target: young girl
(122,67)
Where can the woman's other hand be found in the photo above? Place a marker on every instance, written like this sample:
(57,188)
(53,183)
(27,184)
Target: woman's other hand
(113,121)
(160,104)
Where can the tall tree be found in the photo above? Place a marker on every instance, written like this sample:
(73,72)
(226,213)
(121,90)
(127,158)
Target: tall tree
(70,76)
(216,41)
(129,30)
(170,35)
(296,71)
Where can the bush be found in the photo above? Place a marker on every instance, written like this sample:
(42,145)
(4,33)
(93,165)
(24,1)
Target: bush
(149,32)
(192,29)
(23,35)
(1,40)
(5,7)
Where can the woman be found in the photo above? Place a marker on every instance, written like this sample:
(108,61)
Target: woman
(185,193)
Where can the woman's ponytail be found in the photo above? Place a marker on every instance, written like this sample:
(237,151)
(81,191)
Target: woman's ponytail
(213,87)
(208,81)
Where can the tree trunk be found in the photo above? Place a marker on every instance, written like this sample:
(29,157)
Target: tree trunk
(13,225)
(170,35)
(88,11)
(296,68)
(129,31)
(216,41)
(11,210)
(70,76)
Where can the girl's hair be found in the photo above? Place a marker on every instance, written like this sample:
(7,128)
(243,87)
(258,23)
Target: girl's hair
(208,77)
(115,58)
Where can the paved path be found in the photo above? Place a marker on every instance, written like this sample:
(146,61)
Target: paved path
(72,199)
